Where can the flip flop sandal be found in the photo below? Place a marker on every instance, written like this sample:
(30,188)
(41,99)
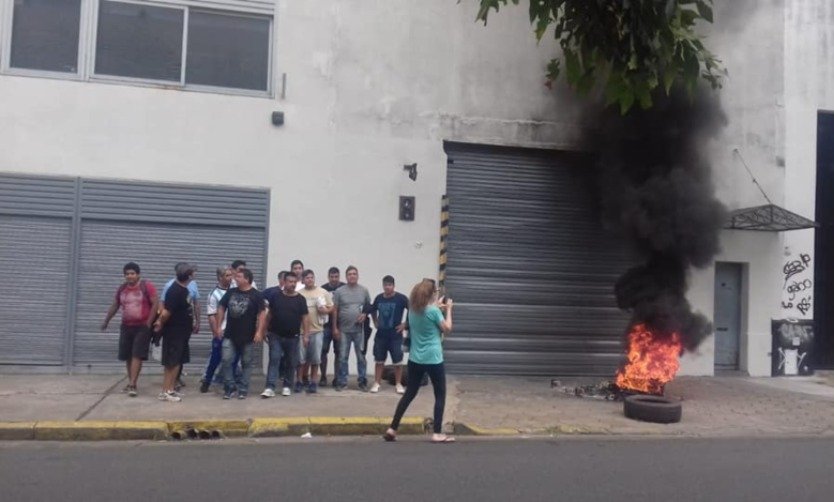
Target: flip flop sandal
(389,437)
(446,439)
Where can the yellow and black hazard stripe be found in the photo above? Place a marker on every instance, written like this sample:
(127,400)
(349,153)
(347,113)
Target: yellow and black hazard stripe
(444,235)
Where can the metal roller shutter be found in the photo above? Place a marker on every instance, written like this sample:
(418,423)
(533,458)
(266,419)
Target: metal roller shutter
(529,267)
(157,226)
(35,242)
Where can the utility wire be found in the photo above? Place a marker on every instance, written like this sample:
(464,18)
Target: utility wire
(755,181)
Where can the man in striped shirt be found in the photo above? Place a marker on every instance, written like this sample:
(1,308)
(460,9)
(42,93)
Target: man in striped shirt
(225,275)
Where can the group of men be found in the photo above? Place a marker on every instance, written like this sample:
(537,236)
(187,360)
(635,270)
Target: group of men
(297,319)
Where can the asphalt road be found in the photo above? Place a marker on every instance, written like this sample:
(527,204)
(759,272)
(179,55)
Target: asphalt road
(368,469)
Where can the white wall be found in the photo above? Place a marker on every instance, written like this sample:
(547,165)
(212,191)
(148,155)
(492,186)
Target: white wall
(809,88)
(748,37)
(373,85)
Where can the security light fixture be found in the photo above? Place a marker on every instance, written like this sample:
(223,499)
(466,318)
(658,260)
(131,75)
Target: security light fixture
(277,118)
(412,171)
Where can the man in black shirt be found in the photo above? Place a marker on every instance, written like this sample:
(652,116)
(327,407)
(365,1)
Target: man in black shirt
(286,318)
(175,323)
(245,313)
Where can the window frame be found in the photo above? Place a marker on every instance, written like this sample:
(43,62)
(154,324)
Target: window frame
(269,61)
(6,29)
(88,40)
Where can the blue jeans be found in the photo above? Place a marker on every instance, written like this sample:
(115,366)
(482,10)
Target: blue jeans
(286,348)
(246,354)
(358,340)
(216,359)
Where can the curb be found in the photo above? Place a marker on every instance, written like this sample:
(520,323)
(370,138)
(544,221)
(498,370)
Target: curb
(101,430)
(462,429)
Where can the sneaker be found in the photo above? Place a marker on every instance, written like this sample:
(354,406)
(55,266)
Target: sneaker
(286,392)
(227,395)
(267,393)
(400,389)
(242,395)
(179,385)
(339,388)
(204,386)
(363,387)
(323,382)
(170,396)
(374,388)
(299,387)
(312,389)
(126,389)
(132,391)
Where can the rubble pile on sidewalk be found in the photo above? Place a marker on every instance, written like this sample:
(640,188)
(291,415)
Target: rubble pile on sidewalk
(605,390)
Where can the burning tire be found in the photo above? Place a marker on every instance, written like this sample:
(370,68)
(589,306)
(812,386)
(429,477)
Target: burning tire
(655,409)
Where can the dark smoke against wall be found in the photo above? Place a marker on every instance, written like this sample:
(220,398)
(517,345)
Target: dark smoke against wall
(656,191)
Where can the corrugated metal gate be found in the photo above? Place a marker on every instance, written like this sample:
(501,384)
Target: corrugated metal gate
(103,225)
(36,219)
(530,269)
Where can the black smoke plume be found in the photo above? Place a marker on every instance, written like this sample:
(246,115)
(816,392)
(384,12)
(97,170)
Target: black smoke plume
(656,191)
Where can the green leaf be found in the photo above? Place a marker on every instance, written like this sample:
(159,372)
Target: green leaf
(671,6)
(541,27)
(573,69)
(688,17)
(632,61)
(626,101)
(633,47)
(704,10)
(668,80)
(553,69)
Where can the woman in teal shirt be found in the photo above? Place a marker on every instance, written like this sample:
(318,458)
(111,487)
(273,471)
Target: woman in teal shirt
(426,321)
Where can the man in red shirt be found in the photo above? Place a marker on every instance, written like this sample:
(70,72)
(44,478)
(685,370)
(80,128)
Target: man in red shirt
(138,301)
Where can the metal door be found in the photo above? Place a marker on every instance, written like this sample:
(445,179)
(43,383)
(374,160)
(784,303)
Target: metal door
(36,220)
(529,265)
(727,315)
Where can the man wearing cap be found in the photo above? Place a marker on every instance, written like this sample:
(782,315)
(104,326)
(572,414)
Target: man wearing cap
(175,325)
(194,291)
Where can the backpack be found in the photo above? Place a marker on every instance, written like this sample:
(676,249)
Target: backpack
(144,289)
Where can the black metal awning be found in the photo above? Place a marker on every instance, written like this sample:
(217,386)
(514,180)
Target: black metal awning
(767,218)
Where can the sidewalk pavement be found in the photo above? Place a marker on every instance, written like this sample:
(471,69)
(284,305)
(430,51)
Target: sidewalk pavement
(93,407)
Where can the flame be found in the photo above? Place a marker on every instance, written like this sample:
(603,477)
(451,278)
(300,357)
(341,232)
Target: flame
(652,362)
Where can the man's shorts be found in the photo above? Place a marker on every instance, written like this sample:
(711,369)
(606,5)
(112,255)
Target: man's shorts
(327,339)
(388,343)
(311,354)
(134,341)
(174,346)
(186,353)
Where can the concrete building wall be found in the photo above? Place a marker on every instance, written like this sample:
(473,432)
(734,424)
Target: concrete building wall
(373,85)
(809,88)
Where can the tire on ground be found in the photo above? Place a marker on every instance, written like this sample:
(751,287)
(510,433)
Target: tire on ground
(655,409)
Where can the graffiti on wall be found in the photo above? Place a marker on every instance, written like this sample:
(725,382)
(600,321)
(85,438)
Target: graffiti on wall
(798,288)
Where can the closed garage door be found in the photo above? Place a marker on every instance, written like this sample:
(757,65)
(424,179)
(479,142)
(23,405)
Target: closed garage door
(64,241)
(107,246)
(157,226)
(34,263)
(35,239)
(530,269)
